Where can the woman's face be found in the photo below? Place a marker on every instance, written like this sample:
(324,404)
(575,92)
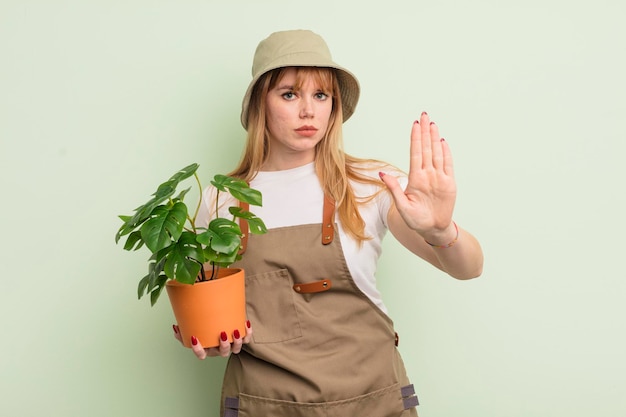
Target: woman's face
(297,119)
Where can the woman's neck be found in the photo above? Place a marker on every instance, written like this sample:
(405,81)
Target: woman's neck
(282,164)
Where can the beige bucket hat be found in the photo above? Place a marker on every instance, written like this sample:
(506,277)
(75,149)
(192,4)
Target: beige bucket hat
(299,48)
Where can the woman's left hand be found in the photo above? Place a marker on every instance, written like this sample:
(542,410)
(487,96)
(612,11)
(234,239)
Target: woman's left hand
(427,203)
(224,349)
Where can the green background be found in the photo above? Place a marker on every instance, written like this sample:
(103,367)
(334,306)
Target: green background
(100,101)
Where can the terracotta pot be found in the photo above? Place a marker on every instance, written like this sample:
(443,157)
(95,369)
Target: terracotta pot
(206,309)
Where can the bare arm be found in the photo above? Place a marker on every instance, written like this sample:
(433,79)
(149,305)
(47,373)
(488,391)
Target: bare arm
(421,216)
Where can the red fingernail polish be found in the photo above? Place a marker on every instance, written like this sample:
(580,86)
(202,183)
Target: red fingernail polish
(424,113)
(224,336)
(248,324)
(381,175)
(236,334)
(432,123)
(417,122)
(442,139)
(194,341)
(174,328)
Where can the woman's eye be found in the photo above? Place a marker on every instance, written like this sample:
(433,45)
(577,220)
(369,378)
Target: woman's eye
(321,96)
(289,95)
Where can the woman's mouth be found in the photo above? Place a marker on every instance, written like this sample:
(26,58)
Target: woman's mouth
(307,131)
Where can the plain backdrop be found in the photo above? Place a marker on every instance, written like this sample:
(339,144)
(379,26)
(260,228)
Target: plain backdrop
(101,101)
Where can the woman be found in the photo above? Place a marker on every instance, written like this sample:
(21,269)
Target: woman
(323,344)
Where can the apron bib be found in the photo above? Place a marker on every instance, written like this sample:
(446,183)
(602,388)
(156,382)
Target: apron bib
(320,347)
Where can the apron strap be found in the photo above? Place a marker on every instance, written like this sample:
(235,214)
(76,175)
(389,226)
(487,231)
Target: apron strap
(243,225)
(328,220)
(328,223)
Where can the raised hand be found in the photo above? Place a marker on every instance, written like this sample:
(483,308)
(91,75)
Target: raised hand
(427,203)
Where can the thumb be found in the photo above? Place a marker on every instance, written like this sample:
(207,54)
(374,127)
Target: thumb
(394,186)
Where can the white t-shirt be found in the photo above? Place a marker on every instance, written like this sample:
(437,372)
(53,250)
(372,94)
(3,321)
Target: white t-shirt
(294,197)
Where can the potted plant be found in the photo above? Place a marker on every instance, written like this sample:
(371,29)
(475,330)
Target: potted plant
(192,262)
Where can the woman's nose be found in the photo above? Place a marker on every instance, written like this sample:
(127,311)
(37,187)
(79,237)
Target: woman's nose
(306,109)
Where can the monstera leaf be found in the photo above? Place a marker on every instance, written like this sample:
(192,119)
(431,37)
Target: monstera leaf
(180,250)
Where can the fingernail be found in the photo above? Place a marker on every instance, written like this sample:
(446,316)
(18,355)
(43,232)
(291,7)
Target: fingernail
(424,113)
(224,336)
(248,324)
(174,328)
(236,334)
(442,139)
(432,123)
(194,341)
(381,175)
(416,122)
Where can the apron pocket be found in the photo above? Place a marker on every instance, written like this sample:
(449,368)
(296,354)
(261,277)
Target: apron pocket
(271,307)
(386,402)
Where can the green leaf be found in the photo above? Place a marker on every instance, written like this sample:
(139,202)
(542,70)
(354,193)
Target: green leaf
(184,259)
(237,188)
(163,193)
(165,190)
(147,283)
(223,235)
(181,195)
(257,226)
(165,226)
(222,259)
(143,284)
(134,241)
(144,212)
(224,182)
(154,295)
(155,270)
(255,223)
(185,173)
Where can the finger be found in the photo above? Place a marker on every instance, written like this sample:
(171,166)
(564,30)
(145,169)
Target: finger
(394,187)
(197,348)
(436,146)
(248,337)
(224,347)
(177,334)
(448,164)
(237,342)
(415,162)
(427,157)
(212,352)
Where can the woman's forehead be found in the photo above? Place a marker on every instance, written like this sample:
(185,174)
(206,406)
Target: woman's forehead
(298,76)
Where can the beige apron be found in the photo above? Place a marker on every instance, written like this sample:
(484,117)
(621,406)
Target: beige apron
(320,347)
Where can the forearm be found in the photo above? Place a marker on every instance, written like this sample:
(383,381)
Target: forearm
(463,259)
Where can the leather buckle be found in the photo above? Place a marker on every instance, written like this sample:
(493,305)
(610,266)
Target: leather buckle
(313,287)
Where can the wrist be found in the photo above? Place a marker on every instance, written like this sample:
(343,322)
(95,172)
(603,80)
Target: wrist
(445,240)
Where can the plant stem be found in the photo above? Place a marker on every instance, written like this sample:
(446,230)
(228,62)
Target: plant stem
(217,202)
(195,213)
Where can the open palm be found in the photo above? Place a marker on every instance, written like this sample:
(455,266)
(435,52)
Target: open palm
(427,202)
